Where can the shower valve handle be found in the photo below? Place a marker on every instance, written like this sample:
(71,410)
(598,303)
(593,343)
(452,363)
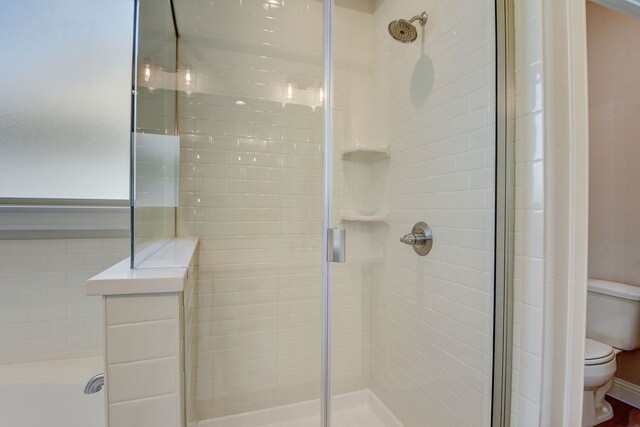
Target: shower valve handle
(421,238)
(414,239)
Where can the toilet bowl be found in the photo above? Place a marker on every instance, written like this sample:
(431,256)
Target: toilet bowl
(613,325)
(599,368)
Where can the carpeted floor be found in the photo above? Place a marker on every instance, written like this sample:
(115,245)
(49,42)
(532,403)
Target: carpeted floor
(623,415)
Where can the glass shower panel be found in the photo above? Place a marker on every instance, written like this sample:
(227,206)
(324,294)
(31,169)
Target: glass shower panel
(414,141)
(155,140)
(250,126)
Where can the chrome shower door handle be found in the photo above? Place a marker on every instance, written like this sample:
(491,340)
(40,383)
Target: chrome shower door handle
(421,238)
(337,246)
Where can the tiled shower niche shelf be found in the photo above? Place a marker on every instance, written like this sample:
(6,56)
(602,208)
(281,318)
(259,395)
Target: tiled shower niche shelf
(352,216)
(365,154)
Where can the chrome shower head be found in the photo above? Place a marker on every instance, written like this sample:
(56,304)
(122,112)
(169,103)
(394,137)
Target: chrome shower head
(404,31)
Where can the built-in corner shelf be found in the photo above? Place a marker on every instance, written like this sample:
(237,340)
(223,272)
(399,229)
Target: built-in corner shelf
(365,154)
(368,155)
(352,216)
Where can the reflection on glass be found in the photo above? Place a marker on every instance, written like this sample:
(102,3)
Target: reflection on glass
(156,144)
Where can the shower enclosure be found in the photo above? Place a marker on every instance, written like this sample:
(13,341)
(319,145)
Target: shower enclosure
(338,163)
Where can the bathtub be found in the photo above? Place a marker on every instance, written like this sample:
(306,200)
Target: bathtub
(50,394)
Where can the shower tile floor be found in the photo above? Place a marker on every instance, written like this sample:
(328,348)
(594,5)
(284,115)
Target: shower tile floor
(358,409)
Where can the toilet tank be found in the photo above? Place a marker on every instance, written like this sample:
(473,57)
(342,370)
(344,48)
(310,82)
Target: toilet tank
(613,314)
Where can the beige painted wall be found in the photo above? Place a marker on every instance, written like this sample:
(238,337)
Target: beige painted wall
(614,112)
(614,109)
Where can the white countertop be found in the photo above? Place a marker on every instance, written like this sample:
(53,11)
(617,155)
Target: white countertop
(165,271)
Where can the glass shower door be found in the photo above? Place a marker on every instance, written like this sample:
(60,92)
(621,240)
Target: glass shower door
(155,144)
(250,121)
(375,119)
(413,144)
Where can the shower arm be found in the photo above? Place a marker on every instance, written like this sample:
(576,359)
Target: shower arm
(422,18)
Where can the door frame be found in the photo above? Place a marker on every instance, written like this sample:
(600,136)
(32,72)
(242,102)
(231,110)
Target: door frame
(504,214)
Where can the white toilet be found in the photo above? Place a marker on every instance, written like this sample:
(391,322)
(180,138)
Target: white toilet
(613,325)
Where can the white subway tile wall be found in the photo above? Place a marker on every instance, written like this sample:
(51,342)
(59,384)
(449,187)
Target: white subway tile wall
(44,310)
(357,187)
(432,317)
(250,189)
(529,256)
(145,347)
(417,331)
(190,344)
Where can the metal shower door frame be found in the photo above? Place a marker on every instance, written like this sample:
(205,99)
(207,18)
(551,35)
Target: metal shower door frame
(327,182)
(504,215)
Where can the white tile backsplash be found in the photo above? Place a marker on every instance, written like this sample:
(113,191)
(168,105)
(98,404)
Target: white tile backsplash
(44,310)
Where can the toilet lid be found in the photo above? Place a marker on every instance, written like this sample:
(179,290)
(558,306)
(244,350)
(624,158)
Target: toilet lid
(596,352)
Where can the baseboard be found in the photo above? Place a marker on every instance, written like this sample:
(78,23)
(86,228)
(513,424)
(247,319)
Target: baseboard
(625,391)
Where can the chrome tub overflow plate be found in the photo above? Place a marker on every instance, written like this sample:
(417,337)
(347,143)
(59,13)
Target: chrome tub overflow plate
(421,238)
